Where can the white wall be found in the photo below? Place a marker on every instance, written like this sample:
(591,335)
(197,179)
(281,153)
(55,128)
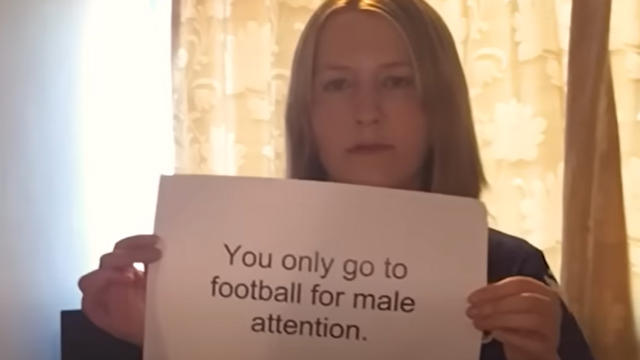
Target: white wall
(78,164)
(41,228)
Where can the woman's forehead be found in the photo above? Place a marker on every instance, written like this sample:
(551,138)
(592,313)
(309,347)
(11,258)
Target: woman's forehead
(357,36)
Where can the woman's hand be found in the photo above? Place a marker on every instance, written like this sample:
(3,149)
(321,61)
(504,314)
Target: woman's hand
(113,297)
(522,313)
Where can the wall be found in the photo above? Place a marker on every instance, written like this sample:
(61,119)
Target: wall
(41,228)
(85,132)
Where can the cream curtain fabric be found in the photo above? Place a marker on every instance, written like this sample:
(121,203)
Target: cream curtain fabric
(232,60)
(595,273)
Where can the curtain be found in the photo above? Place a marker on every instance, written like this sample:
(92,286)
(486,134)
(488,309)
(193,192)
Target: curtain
(231,67)
(595,275)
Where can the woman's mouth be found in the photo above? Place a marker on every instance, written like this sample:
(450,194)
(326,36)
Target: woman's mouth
(370,149)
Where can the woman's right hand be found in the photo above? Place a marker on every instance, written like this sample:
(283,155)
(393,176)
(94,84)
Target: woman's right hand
(113,297)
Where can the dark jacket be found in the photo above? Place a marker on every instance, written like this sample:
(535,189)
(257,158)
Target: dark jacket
(511,256)
(508,256)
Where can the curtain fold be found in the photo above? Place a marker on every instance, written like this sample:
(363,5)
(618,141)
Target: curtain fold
(595,266)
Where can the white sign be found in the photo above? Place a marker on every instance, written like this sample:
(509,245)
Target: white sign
(268,269)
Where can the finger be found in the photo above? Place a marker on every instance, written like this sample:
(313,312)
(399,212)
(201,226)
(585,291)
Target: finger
(509,287)
(94,281)
(139,275)
(125,258)
(528,344)
(137,241)
(530,323)
(523,303)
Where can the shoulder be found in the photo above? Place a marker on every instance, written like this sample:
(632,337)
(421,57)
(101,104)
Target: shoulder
(512,256)
(504,244)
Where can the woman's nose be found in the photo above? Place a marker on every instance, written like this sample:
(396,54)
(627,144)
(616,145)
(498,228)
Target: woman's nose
(368,106)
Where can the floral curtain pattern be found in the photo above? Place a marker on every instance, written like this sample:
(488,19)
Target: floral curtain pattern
(231,68)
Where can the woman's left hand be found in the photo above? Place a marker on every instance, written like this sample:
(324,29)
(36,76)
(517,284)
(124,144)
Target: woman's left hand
(522,313)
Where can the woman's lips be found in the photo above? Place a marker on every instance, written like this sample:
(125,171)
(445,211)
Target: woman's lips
(370,149)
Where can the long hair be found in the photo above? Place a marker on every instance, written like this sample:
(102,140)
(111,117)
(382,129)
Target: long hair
(453,165)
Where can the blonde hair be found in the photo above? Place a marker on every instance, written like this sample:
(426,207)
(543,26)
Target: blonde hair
(453,166)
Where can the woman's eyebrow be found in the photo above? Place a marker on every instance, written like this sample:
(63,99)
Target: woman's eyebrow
(396,64)
(343,67)
(334,67)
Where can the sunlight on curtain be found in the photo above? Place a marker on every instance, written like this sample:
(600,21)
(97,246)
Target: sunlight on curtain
(127,123)
(232,70)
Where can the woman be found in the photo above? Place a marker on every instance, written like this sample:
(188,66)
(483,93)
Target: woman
(378,97)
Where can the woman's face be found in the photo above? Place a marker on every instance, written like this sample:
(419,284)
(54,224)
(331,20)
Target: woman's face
(367,118)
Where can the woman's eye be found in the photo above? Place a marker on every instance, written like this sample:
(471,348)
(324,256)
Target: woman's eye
(398,81)
(335,85)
